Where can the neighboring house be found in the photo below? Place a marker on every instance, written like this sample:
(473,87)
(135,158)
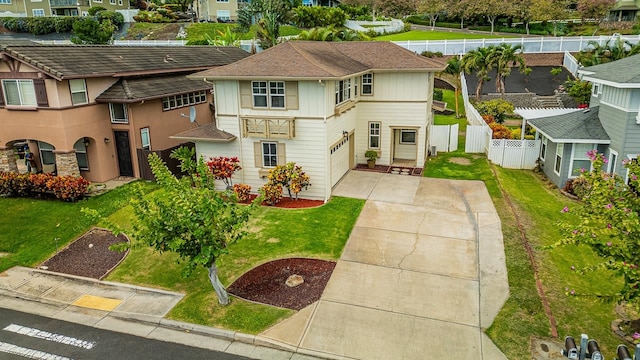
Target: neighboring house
(20,8)
(227,10)
(611,125)
(625,10)
(89,110)
(320,105)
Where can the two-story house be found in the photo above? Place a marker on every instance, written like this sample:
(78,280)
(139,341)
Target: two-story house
(611,125)
(227,10)
(625,10)
(320,105)
(87,110)
(21,8)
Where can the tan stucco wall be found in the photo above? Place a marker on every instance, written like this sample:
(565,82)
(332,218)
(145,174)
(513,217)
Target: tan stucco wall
(62,128)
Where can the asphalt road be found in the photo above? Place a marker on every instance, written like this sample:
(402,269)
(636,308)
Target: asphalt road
(26,336)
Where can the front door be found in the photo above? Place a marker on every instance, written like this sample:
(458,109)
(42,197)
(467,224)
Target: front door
(124,153)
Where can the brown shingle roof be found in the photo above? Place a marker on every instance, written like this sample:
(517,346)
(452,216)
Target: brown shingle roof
(81,61)
(323,60)
(208,132)
(137,89)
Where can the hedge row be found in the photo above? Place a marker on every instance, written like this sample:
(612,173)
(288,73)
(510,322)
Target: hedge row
(36,185)
(42,25)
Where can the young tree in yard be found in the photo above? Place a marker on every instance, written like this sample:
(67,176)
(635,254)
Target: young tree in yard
(223,168)
(460,9)
(478,61)
(194,221)
(523,9)
(432,9)
(609,224)
(595,9)
(89,31)
(398,8)
(497,108)
(270,14)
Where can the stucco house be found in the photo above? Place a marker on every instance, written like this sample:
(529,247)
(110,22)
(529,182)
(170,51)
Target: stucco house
(611,125)
(88,110)
(22,8)
(320,105)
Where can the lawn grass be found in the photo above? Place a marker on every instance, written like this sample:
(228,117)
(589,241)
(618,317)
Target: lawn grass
(434,35)
(537,206)
(33,230)
(274,233)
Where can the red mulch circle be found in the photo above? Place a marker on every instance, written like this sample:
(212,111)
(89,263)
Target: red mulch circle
(88,256)
(287,203)
(266,283)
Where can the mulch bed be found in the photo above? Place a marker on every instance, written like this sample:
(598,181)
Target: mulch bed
(387,169)
(266,283)
(288,203)
(88,256)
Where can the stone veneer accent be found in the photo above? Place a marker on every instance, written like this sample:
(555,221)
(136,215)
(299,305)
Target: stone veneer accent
(67,163)
(8,160)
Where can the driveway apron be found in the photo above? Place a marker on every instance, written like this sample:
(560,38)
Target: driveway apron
(423,272)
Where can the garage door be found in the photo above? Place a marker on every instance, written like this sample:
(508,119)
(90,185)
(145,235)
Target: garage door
(339,160)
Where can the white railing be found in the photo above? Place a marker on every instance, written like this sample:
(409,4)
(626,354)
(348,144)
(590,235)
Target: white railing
(529,45)
(570,63)
(150,42)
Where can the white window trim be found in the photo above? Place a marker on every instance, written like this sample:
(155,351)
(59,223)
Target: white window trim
(82,151)
(277,95)
(144,146)
(596,89)
(369,83)
(544,146)
(374,135)
(611,167)
(84,90)
(5,2)
(184,100)
(20,93)
(560,153)
(223,14)
(575,156)
(40,11)
(268,95)
(119,121)
(263,154)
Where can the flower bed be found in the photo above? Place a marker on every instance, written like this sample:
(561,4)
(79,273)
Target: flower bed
(69,188)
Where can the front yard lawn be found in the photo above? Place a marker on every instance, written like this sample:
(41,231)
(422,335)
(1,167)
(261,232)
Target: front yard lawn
(32,230)
(274,234)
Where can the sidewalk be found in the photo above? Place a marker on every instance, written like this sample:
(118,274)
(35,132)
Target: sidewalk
(123,308)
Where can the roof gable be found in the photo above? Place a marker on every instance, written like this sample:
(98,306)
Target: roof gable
(323,60)
(623,71)
(81,61)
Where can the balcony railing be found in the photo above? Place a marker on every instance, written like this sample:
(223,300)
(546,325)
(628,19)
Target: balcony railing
(68,3)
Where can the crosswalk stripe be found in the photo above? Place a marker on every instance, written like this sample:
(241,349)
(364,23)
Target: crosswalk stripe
(45,335)
(29,353)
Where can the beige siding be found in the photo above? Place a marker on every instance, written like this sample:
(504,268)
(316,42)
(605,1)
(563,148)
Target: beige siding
(399,87)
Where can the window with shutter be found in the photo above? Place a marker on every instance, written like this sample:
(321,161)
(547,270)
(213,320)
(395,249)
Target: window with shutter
(41,93)
(20,92)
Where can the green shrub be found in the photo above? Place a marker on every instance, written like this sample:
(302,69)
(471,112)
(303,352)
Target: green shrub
(95,9)
(116,18)
(318,16)
(41,25)
(438,94)
(16,24)
(432,54)
(64,23)
(271,193)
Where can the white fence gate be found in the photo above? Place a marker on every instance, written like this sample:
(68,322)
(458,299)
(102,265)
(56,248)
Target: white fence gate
(444,137)
(514,154)
(478,138)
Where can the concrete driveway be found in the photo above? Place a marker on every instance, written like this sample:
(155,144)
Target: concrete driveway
(423,272)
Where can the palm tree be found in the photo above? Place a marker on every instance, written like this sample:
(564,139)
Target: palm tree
(503,57)
(454,68)
(600,54)
(478,61)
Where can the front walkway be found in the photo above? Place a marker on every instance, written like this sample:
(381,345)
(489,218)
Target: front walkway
(422,274)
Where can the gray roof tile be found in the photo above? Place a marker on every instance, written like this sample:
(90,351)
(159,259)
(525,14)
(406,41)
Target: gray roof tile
(136,89)
(623,71)
(577,125)
(80,61)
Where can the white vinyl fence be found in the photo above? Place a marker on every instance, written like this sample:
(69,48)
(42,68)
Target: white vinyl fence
(514,154)
(380,27)
(529,45)
(570,63)
(478,132)
(444,137)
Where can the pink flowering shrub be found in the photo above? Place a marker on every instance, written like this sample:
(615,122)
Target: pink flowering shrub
(608,223)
